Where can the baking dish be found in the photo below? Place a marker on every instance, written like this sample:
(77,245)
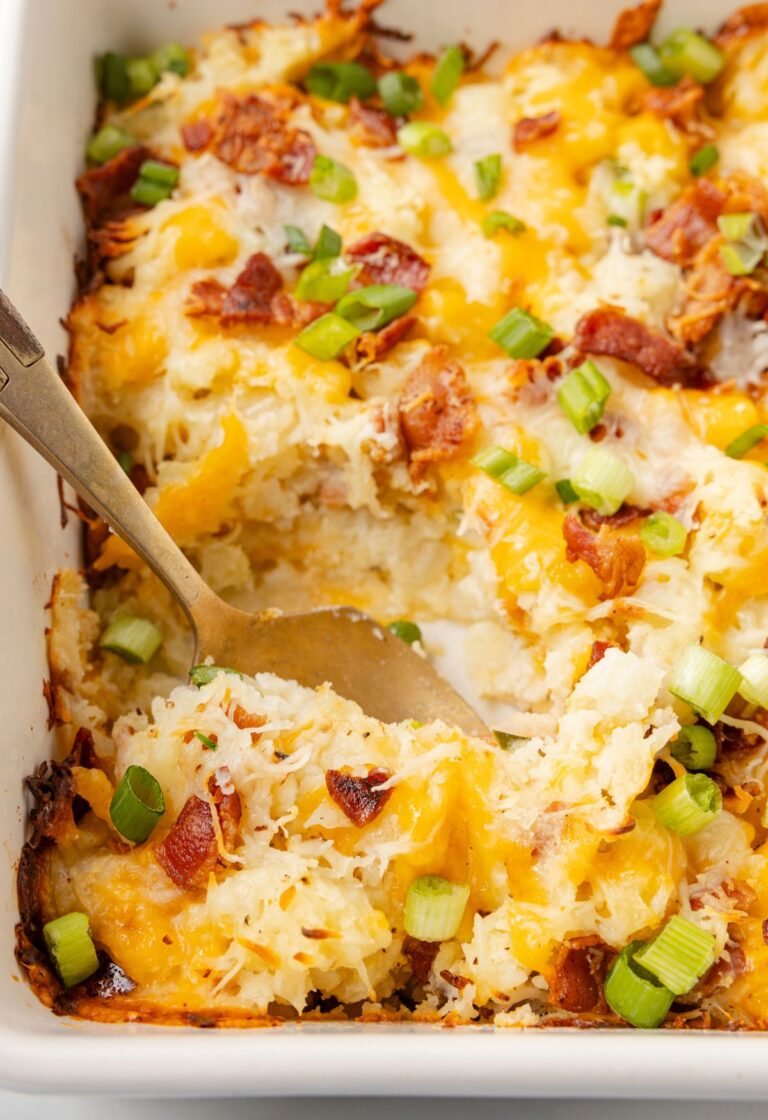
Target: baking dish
(42,142)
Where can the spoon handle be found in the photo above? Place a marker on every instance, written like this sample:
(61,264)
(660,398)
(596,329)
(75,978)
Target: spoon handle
(35,401)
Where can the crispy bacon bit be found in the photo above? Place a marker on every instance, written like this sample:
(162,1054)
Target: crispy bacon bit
(249,298)
(687,224)
(710,293)
(616,561)
(385,260)
(528,129)
(437,411)
(765,930)
(316,934)
(197,135)
(724,971)
(287,311)
(675,103)
(356,796)
(206,299)
(229,810)
(105,190)
(371,127)
(247,720)
(189,852)
(625,515)
(455,981)
(633,25)
(598,652)
(372,345)
(579,974)
(751,20)
(421,956)
(608,331)
(253,136)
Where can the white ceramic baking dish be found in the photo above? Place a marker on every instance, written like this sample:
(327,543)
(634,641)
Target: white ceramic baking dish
(46,107)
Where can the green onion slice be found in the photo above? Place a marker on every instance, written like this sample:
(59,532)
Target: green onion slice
(447,73)
(113,78)
(739,258)
(208,743)
(635,994)
(617,220)
(744,443)
(149,194)
(137,804)
(171,57)
(325,280)
(521,334)
(695,747)
(165,174)
(603,481)
(204,674)
(401,93)
(688,804)
(69,942)
(328,244)
(338,81)
(646,58)
(500,219)
(297,240)
(327,337)
(332,181)
(566,492)
(509,742)
(514,474)
(107,142)
(664,534)
(373,307)
(406,630)
(488,175)
(705,682)
(703,160)
(125,459)
(142,76)
(434,908)
(754,683)
(744,226)
(135,639)
(424,140)
(679,955)
(583,395)
(686,52)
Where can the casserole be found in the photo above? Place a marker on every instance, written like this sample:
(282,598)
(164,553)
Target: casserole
(18,296)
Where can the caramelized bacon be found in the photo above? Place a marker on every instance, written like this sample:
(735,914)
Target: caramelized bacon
(105,190)
(625,515)
(249,299)
(287,311)
(421,956)
(710,293)
(529,129)
(229,810)
(206,298)
(598,652)
(371,127)
(751,20)
(674,103)
(437,411)
(687,224)
(385,260)
(372,345)
(190,851)
(356,796)
(633,25)
(617,562)
(579,974)
(197,135)
(608,331)
(253,136)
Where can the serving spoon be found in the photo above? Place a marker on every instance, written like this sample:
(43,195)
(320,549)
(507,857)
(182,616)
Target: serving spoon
(362,660)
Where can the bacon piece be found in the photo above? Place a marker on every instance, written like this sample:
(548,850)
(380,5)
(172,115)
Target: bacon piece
(287,311)
(371,127)
(617,562)
(249,298)
(579,974)
(528,129)
(744,22)
(197,135)
(228,808)
(105,190)
(623,516)
(675,103)
(687,224)
(253,136)
(356,796)
(633,25)
(436,409)
(710,293)
(190,851)
(608,331)
(385,260)
(371,345)
(598,652)
(421,956)
(206,299)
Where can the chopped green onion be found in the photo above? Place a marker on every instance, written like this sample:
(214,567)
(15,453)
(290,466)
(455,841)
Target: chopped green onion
(165,174)
(401,93)
(741,259)
(754,683)
(679,955)
(327,337)
(137,804)
(373,307)
(603,481)
(688,804)
(148,194)
(125,459)
(171,57)
(513,473)
(328,244)
(208,744)
(297,240)
(509,742)
(705,682)
(695,747)
(113,78)
(500,219)
(686,52)
(617,220)
(434,908)
(744,443)
(423,139)
(338,81)
(646,58)
(107,142)
(566,492)
(664,534)
(69,943)
(488,175)
(406,630)
(494,460)
(583,395)
(332,181)
(204,674)
(325,280)
(635,994)
(521,334)
(625,199)
(135,639)
(447,74)
(142,76)
(704,159)
(744,226)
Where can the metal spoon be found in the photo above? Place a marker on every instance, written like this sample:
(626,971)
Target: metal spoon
(361,659)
